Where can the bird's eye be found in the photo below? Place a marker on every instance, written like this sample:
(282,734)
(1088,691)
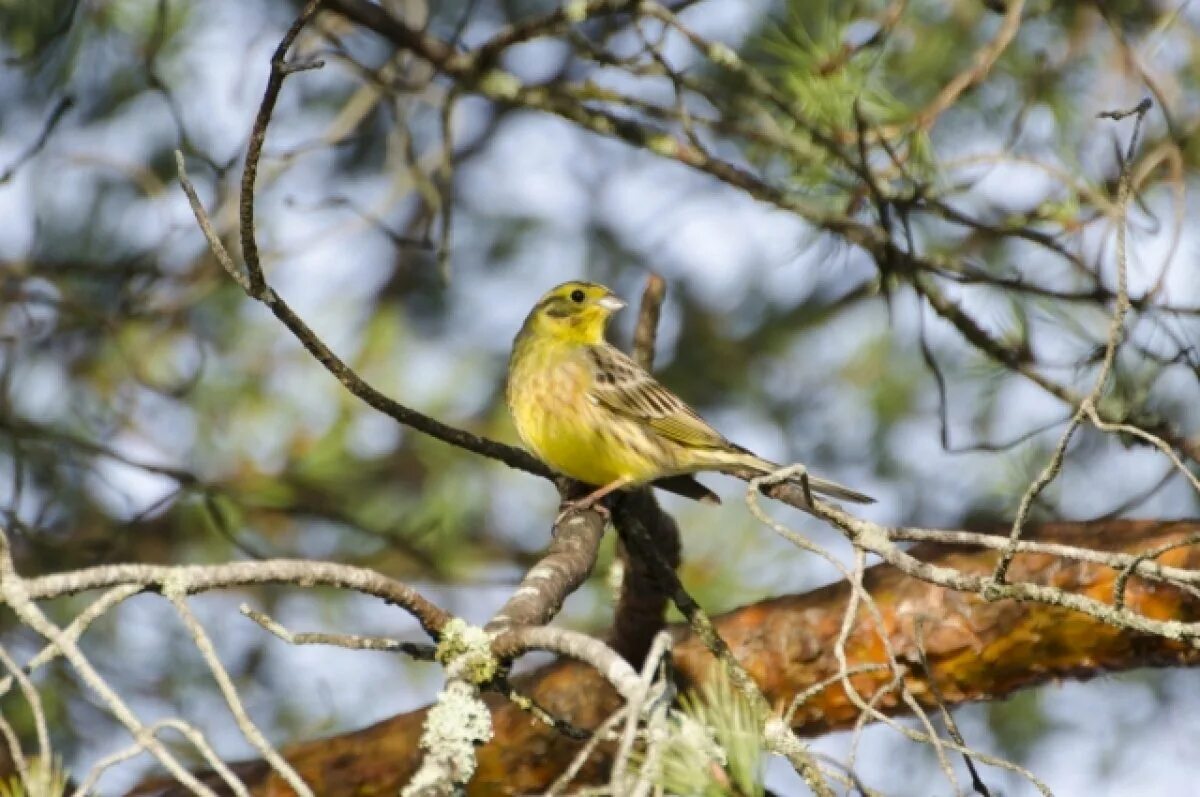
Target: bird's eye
(577,296)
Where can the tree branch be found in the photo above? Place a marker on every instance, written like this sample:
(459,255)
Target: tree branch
(192,579)
(787,643)
(562,569)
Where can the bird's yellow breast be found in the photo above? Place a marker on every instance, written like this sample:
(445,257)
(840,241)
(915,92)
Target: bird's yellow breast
(548,398)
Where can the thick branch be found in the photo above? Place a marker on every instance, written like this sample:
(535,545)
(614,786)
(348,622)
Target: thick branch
(641,607)
(787,645)
(566,564)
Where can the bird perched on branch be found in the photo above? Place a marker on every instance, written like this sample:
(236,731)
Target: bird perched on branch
(591,413)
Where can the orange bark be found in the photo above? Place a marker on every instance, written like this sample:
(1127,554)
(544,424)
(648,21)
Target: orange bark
(977,650)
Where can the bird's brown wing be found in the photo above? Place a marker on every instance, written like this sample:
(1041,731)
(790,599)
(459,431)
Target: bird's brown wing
(623,386)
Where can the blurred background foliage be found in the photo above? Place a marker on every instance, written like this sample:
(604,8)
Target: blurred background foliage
(150,413)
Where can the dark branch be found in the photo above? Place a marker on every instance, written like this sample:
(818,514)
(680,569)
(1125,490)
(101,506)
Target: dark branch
(258,135)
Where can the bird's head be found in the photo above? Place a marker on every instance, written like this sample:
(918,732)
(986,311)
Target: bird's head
(575,312)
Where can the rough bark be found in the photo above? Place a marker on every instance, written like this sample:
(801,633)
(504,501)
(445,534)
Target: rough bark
(976,649)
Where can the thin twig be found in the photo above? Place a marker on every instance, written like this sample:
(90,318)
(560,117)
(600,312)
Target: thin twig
(658,649)
(194,737)
(16,596)
(947,718)
(177,595)
(258,135)
(601,734)
(1115,334)
(56,115)
(1121,582)
(33,700)
(419,651)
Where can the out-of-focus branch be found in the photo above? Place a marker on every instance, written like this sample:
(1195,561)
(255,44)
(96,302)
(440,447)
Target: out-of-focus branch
(645,334)
(572,104)
(787,644)
(982,63)
(56,114)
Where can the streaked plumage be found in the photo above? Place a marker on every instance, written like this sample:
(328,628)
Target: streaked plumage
(590,412)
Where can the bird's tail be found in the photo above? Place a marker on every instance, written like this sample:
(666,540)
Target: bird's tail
(824,487)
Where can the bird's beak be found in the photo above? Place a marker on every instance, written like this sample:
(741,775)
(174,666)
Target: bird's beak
(611,303)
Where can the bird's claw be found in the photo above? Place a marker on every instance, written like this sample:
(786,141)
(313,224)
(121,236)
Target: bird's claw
(581,505)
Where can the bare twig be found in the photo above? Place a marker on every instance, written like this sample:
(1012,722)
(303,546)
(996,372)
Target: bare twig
(659,648)
(947,718)
(419,651)
(177,595)
(192,579)
(857,595)
(194,737)
(33,700)
(17,597)
(601,734)
(258,135)
(1115,335)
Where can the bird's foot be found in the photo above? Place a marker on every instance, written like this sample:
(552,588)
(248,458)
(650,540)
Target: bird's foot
(582,505)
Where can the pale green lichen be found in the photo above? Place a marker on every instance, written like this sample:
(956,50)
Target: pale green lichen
(723,55)
(175,585)
(500,85)
(604,126)
(663,145)
(468,647)
(575,11)
(457,723)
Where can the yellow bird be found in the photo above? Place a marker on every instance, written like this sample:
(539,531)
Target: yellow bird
(591,413)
